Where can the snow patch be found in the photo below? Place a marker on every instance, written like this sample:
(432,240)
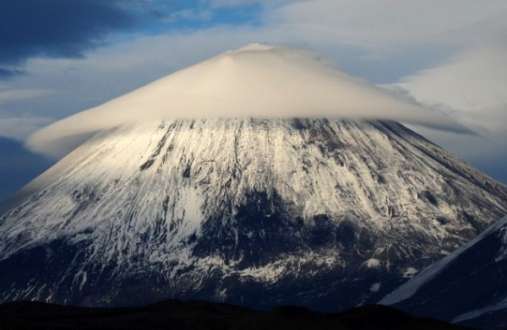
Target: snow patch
(375,287)
(373,263)
(409,272)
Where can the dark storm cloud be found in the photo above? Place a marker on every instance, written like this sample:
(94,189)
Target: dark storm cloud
(56,28)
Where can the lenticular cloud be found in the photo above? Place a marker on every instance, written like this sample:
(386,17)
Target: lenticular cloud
(254,81)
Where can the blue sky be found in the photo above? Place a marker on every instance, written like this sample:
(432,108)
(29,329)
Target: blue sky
(60,57)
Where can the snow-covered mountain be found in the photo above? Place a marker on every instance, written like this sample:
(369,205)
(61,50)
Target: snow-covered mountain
(467,287)
(325,213)
(177,193)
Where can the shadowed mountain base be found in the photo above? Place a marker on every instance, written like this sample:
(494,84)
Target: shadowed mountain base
(202,315)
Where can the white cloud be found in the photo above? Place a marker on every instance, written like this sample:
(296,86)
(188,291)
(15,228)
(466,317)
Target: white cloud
(188,14)
(232,3)
(13,124)
(393,23)
(10,95)
(21,127)
(235,3)
(472,88)
(385,36)
(256,81)
(339,29)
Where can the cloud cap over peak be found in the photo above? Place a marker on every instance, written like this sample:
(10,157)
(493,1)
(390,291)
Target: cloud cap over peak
(254,81)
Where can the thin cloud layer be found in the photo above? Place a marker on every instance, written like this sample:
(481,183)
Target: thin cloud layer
(254,81)
(20,127)
(471,88)
(389,25)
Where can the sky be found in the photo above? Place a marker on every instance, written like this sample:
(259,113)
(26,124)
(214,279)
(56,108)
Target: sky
(60,57)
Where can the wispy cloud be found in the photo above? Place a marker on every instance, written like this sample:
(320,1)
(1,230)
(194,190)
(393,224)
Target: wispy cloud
(21,127)
(379,40)
(384,24)
(255,81)
(6,73)
(471,88)
(11,95)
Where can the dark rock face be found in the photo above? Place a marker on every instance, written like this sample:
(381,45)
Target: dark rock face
(320,213)
(467,287)
(257,234)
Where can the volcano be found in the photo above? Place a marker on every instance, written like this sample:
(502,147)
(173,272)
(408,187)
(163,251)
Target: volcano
(326,213)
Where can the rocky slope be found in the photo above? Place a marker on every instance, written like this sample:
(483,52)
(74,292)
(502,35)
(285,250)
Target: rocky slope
(328,214)
(465,287)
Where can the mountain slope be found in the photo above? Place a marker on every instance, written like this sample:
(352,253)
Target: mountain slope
(328,214)
(467,286)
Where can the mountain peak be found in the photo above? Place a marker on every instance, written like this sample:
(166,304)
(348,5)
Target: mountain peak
(254,81)
(255,46)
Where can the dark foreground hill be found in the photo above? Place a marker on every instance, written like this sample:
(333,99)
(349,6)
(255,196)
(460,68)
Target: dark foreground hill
(203,315)
(466,287)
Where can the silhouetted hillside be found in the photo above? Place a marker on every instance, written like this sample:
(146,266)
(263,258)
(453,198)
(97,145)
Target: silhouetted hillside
(203,315)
